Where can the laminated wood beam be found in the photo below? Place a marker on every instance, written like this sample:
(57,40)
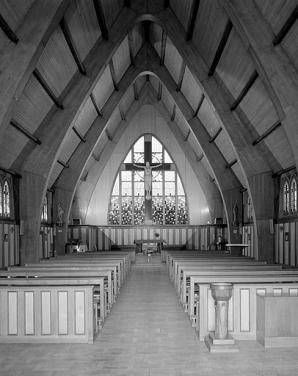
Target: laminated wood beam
(193,16)
(113,74)
(215,136)
(71,45)
(286,28)
(267,133)
(135,91)
(130,44)
(8,31)
(245,90)
(47,89)
(159,94)
(62,163)
(97,109)
(173,113)
(101,19)
(221,47)
(199,105)
(21,129)
(79,134)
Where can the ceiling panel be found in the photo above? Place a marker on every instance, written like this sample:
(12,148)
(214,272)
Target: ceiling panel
(11,145)
(83,26)
(173,60)
(276,12)
(14,11)
(290,44)
(209,27)
(140,82)
(195,145)
(167,100)
(33,106)
(58,168)
(155,37)
(121,59)
(235,66)
(56,64)
(239,173)
(114,122)
(258,108)
(127,100)
(69,146)
(191,89)
(111,9)
(208,118)
(182,10)
(207,167)
(86,117)
(154,82)
(103,89)
(136,38)
(223,143)
(182,123)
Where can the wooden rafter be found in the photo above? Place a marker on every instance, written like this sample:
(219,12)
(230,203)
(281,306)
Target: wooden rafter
(47,89)
(199,105)
(11,172)
(245,90)
(97,109)
(130,44)
(287,26)
(181,75)
(71,45)
(192,19)
(267,133)
(135,91)
(159,94)
(221,47)
(122,114)
(21,129)
(163,47)
(62,163)
(8,31)
(200,157)
(173,115)
(229,165)
(78,133)
(113,74)
(215,136)
(110,138)
(187,136)
(101,19)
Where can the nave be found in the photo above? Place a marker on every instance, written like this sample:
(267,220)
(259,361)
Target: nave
(146,333)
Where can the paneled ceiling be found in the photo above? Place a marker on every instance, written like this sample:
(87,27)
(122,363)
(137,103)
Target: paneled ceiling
(74,73)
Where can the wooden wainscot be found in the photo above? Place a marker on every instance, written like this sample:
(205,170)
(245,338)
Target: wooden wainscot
(277,324)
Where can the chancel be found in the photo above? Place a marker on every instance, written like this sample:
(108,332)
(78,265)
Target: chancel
(148,187)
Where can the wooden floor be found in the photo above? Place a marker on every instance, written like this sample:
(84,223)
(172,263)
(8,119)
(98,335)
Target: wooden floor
(147,333)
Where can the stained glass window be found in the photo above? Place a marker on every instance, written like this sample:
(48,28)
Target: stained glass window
(168,204)
(44,216)
(286,197)
(6,199)
(294,195)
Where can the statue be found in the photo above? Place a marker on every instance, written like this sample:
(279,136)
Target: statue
(60,214)
(148,177)
(235,216)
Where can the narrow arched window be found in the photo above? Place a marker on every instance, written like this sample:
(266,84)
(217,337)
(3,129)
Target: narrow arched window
(1,198)
(148,189)
(6,199)
(286,197)
(44,216)
(293,189)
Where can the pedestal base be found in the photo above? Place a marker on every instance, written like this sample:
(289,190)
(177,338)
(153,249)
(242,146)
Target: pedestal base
(216,345)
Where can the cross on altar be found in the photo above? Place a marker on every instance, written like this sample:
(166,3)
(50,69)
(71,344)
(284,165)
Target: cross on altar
(148,166)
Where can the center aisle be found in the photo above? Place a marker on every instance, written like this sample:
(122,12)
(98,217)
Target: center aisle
(147,330)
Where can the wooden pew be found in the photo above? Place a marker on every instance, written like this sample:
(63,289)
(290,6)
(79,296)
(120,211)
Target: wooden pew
(48,310)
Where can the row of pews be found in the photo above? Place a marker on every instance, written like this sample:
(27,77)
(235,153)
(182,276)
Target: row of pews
(64,299)
(264,298)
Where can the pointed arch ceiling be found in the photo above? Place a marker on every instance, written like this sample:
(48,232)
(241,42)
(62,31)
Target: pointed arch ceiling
(85,69)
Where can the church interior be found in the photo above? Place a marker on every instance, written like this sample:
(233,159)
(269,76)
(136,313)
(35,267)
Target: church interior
(148,154)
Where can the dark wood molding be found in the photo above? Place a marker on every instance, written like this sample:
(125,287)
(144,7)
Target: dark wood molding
(62,163)
(159,94)
(8,171)
(199,105)
(130,45)
(215,136)
(21,129)
(79,134)
(286,28)
(8,31)
(192,19)
(220,49)
(97,109)
(267,133)
(163,47)
(113,74)
(245,90)
(181,75)
(71,45)
(47,89)
(135,91)
(229,165)
(173,113)
(101,19)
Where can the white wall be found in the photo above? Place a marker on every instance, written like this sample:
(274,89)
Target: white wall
(147,120)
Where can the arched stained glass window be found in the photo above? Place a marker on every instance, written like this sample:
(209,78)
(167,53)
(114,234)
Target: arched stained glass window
(44,215)
(148,189)
(293,195)
(286,197)
(6,199)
